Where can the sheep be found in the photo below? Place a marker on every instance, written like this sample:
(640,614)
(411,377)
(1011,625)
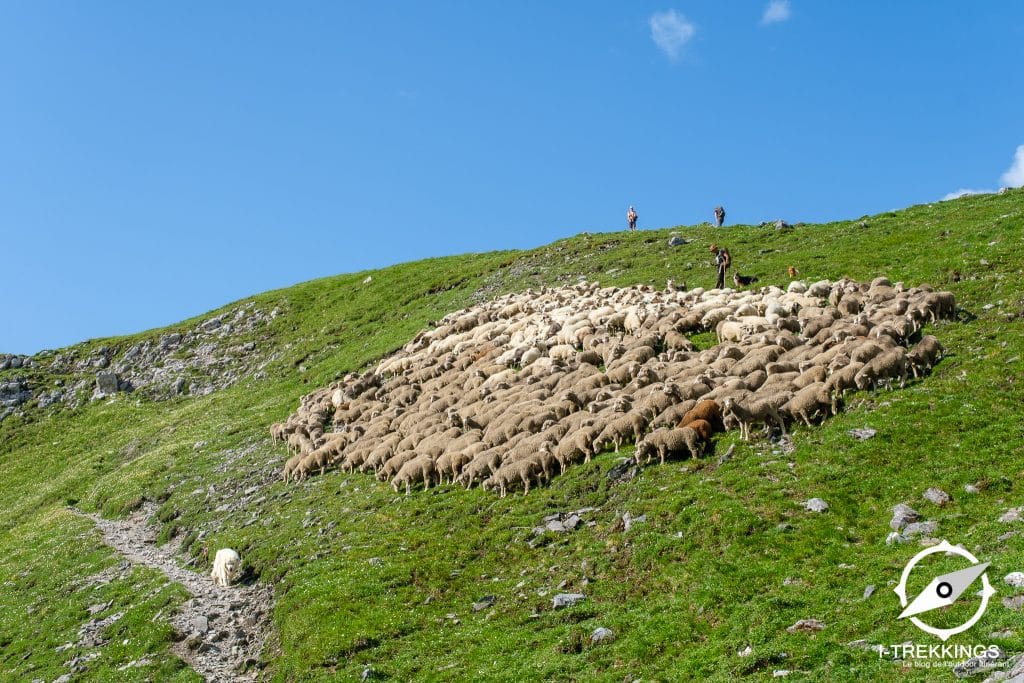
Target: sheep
(665,441)
(525,471)
(673,414)
(708,410)
(753,412)
(924,355)
(290,465)
(658,400)
(395,463)
(807,402)
(460,376)
(631,425)
(419,469)
(226,564)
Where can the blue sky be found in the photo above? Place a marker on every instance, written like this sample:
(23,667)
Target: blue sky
(158,160)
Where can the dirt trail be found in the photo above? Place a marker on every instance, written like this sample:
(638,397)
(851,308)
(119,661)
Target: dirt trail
(222,630)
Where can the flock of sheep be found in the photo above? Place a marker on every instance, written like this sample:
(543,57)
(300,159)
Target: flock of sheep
(509,393)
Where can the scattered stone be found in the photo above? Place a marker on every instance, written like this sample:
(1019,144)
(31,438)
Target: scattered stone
(676,241)
(201,624)
(781,673)
(862,433)
(1015,579)
(936,496)
(1005,633)
(902,515)
(484,602)
(1015,603)
(629,520)
(107,383)
(602,635)
(986,661)
(567,599)
(745,652)
(624,471)
(1003,538)
(1011,515)
(971,488)
(920,529)
(869,591)
(816,505)
(782,225)
(368,279)
(99,607)
(807,626)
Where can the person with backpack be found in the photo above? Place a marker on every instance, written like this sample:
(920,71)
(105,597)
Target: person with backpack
(631,218)
(719,216)
(722,261)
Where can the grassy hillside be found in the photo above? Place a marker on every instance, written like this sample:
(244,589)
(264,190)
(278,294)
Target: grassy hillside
(727,557)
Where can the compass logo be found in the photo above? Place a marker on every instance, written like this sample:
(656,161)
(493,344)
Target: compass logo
(944,590)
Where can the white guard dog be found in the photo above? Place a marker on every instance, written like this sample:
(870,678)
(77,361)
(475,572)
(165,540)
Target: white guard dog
(225,565)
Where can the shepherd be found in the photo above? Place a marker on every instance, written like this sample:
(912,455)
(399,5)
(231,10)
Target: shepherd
(719,216)
(631,218)
(722,261)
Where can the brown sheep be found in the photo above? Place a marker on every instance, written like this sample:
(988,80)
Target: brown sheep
(708,410)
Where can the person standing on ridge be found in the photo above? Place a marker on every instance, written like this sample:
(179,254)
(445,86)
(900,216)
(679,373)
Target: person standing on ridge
(719,216)
(722,262)
(631,218)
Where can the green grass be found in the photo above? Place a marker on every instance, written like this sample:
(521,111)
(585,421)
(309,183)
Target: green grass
(363,576)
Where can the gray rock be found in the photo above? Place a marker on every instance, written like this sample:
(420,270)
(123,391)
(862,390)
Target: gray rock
(1011,515)
(920,529)
(862,433)
(602,635)
(782,225)
(99,607)
(869,591)
(567,599)
(1015,579)
(62,679)
(1015,603)
(807,626)
(816,505)
(107,382)
(971,488)
(169,340)
(936,496)
(483,603)
(629,520)
(984,662)
(902,515)
(201,624)
(179,386)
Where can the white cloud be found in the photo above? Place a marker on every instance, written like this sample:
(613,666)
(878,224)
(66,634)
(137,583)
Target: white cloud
(670,31)
(964,193)
(1014,176)
(776,11)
